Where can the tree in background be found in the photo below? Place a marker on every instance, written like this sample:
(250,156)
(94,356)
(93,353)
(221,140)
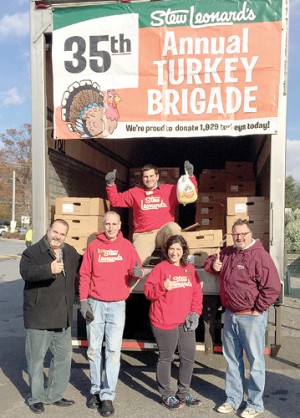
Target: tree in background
(15,155)
(292,216)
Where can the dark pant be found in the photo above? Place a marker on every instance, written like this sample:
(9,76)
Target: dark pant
(168,341)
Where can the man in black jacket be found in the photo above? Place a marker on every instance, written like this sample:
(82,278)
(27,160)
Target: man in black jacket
(49,269)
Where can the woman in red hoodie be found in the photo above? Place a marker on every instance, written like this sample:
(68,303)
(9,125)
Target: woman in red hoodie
(174,289)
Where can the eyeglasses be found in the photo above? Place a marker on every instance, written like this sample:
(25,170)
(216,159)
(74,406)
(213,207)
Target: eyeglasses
(242,234)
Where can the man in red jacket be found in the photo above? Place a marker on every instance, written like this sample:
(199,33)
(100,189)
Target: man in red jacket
(249,285)
(108,263)
(153,207)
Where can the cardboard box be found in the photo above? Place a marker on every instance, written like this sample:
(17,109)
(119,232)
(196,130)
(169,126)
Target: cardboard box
(212,182)
(242,188)
(203,238)
(243,205)
(210,209)
(211,222)
(244,168)
(83,225)
(199,255)
(81,206)
(207,197)
(79,242)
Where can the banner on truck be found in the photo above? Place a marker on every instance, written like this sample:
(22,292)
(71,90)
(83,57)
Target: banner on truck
(172,68)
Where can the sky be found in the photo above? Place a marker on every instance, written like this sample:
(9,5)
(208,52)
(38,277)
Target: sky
(15,108)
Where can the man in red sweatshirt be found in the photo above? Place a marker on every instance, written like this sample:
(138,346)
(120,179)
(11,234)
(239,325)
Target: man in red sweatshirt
(108,263)
(153,207)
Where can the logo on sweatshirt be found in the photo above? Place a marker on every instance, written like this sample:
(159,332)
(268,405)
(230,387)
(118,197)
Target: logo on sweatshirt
(181,281)
(108,256)
(152,202)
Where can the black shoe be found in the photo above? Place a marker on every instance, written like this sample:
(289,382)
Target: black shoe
(93,402)
(107,408)
(37,408)
(64,402)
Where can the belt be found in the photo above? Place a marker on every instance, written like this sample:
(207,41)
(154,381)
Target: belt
(243,313)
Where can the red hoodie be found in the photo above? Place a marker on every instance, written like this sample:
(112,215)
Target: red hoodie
(151,209)
(170,308)
(106,268)
(248,278)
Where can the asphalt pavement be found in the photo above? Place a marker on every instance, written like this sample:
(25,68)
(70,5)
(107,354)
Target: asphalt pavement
(137,394)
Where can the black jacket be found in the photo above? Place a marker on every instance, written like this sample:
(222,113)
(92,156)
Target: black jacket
(48,298)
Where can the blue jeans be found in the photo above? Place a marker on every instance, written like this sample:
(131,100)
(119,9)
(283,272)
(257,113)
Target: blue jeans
(37,343)
(109,324)
(167,342)
(244,333)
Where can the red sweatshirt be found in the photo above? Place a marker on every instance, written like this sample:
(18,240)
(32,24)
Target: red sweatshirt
(151,209)
(169,308)
(106,268)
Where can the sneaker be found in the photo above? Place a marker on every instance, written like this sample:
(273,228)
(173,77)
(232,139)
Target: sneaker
(189,400)
(250,413)
(172,403)
(226,408)
(107,408)
(93,402)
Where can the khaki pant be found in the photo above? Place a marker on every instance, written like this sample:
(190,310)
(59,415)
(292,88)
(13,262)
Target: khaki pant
(146,242)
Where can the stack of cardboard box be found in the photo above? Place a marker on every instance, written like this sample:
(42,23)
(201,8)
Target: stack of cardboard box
(84,216)
(253,208)
(229,194)
(203,243)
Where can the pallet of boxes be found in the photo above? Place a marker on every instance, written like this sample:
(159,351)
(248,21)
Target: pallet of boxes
(84,216)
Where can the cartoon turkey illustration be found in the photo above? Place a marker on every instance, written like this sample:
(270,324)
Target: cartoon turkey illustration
(87,112)
(111,113)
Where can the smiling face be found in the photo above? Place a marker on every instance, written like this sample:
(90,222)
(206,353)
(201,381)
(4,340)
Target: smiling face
(242,236)
(112,225)
(175,253)
(56,234)
(150,179)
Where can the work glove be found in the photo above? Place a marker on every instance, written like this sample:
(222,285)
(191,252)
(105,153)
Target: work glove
(191,322)
(189,168)
(137,271)
(110,177)
(86,310)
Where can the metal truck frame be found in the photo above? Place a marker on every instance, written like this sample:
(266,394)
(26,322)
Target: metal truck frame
(55,163)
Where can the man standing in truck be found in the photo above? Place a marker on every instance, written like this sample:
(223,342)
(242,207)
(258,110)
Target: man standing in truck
(249,285)
(153,207)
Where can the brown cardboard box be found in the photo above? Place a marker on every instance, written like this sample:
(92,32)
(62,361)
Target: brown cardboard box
(206,197)
(203,238)
(211,222)
(81,206)
(244,168)
(198,256)
(242,188)
(83,225)
(79,242)
(210,209)
(243,205)
(212,182)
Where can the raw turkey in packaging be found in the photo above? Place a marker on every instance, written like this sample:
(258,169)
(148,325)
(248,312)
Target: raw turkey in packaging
(186,191)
